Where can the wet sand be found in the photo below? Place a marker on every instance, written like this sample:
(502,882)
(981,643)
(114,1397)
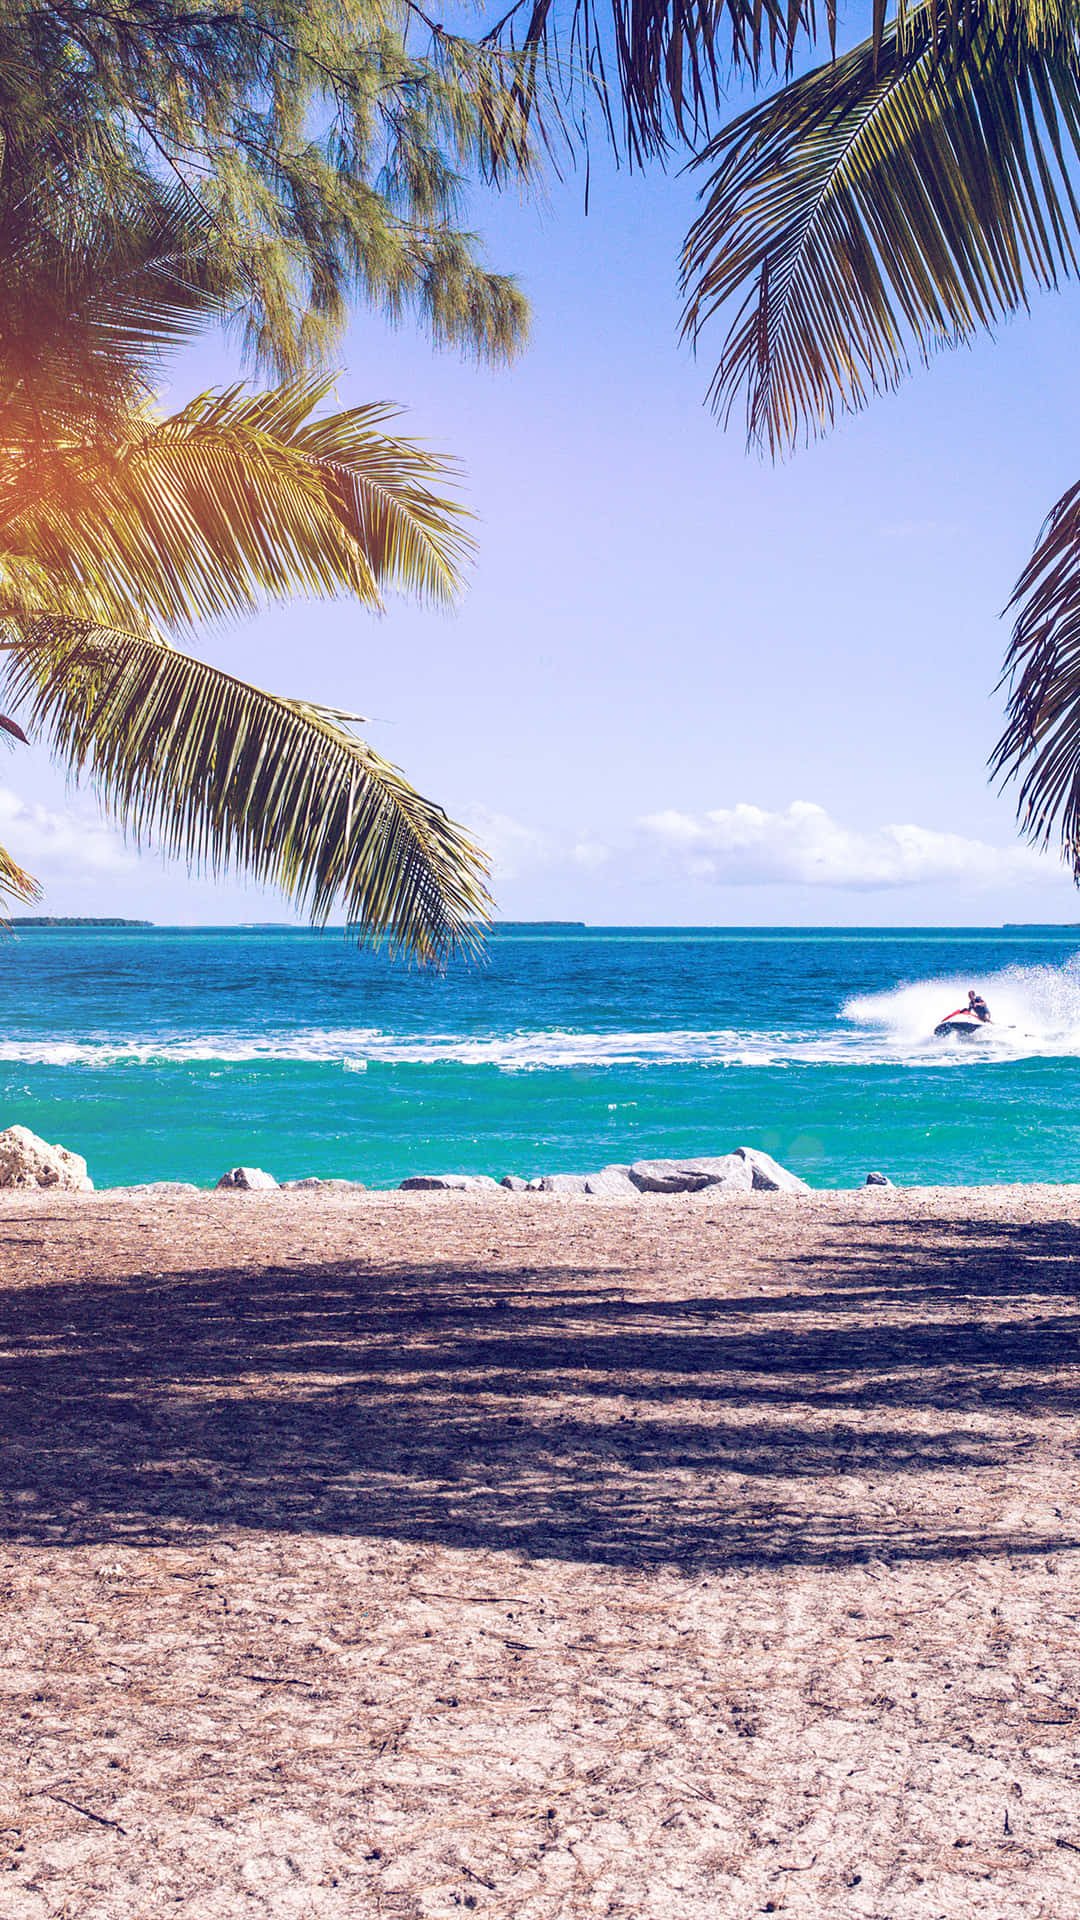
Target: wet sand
(422,1554)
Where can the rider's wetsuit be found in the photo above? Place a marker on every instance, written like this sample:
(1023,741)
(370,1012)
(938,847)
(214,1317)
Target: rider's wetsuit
(979,1008)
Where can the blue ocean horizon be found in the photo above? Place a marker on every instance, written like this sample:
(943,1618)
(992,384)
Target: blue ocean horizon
(173,1053)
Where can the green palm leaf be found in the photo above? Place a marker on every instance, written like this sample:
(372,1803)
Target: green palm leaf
(231,778)
(14,882)
(113,522)
(660,68)
(93,294)
(1040,746)
(235,498)
(884,206)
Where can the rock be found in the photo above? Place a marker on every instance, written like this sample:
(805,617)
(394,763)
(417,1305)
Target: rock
(247,1180)
(312,1184)
(769,1175)
(27,1162)
(514,1183)
(745,1169)
(562,1183)
(664,1176)
(534,1186)
(878,1180)
(449,1183)
(692,1176)
(722,1170)
(611,1183)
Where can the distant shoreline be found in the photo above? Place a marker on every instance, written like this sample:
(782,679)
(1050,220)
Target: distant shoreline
(69,920)
(570,928)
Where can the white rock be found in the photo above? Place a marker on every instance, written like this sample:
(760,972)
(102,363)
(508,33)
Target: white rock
(722,1170)
(247,1180)
(769,1175)
(664,1176)
(745,1169)
(611,1183)
(27,1162)
(514,1183)
(562,1183)
(692,1175)
(534,1186)
(449,1183)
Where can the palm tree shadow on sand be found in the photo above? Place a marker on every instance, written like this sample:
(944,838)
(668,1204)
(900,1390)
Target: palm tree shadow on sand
(545,1411)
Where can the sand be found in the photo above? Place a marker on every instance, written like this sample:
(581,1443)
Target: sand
(427,1554)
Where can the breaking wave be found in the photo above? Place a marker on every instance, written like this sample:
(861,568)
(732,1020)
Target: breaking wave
(1036,1011)
(354,1049)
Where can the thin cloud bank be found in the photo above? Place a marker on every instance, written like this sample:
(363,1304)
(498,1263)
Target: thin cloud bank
(514,848)
(746,846)
(510,846)
(59,845)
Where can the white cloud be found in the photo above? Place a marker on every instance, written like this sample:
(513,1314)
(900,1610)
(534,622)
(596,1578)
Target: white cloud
(589,853)
(514,848)
(510,846)
(63,845)
(749,847)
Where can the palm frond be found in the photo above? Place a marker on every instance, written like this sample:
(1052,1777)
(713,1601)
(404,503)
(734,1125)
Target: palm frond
(659,68)
(230,778)
(16,884)
(236,497)
(895,202)
(1040,746)
(94,293)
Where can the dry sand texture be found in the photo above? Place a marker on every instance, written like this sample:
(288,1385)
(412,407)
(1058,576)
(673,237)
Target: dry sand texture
(418,1555)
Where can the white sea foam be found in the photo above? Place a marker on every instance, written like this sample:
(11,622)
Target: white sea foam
(1036,1011)
(354,1051)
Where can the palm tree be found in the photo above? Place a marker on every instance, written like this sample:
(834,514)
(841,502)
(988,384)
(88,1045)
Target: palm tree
(120,530)
(882,206)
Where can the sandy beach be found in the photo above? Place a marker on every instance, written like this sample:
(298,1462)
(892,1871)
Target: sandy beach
(394,1554)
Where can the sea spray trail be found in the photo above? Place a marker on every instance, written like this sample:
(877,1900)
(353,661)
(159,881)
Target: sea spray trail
(1035,1010)
(175,1053)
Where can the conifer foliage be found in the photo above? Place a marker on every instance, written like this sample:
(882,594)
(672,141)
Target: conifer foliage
(326,142)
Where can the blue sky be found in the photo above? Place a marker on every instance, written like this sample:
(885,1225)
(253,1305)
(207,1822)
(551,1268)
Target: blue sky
(685,686)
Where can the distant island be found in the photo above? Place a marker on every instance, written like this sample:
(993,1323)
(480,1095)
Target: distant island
(1040,926)
(60,920)
(538,926)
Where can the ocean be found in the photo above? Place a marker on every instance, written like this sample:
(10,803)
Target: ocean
(175,1053)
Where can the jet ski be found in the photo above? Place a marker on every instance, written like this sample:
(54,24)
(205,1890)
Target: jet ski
(961,1026)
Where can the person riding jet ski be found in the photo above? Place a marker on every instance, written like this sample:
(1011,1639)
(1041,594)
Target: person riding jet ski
(963,1019)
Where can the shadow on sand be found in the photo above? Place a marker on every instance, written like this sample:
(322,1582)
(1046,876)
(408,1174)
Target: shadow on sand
(544,1411)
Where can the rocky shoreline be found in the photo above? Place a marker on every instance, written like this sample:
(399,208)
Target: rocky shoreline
(28,1163)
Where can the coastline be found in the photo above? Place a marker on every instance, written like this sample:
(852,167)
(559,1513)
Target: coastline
(177,1195)
(161,1056)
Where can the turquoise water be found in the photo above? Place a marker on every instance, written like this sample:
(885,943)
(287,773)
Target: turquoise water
(175,1053)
